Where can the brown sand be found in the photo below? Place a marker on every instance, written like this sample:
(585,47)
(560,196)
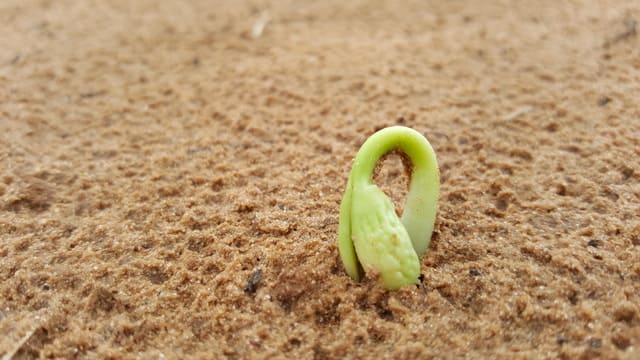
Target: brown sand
(170,177)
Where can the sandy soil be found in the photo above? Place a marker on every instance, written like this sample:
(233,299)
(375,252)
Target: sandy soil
(170,176)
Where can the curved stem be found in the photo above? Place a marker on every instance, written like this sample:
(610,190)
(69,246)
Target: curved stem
(345,244)
(422,200)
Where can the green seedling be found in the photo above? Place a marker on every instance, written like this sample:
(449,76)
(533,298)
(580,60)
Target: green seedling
(371,237)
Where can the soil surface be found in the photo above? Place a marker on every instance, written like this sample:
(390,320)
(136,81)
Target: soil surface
(171,173)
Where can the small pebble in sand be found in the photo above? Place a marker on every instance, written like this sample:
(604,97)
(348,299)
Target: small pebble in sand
(474,272)
(253,281)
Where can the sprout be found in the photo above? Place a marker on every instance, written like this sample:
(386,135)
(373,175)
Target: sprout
(371,237)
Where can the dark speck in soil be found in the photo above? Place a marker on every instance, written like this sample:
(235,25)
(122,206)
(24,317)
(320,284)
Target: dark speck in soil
(422,284)
(474,272)
(594,343)
(253,281)
(593,243)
